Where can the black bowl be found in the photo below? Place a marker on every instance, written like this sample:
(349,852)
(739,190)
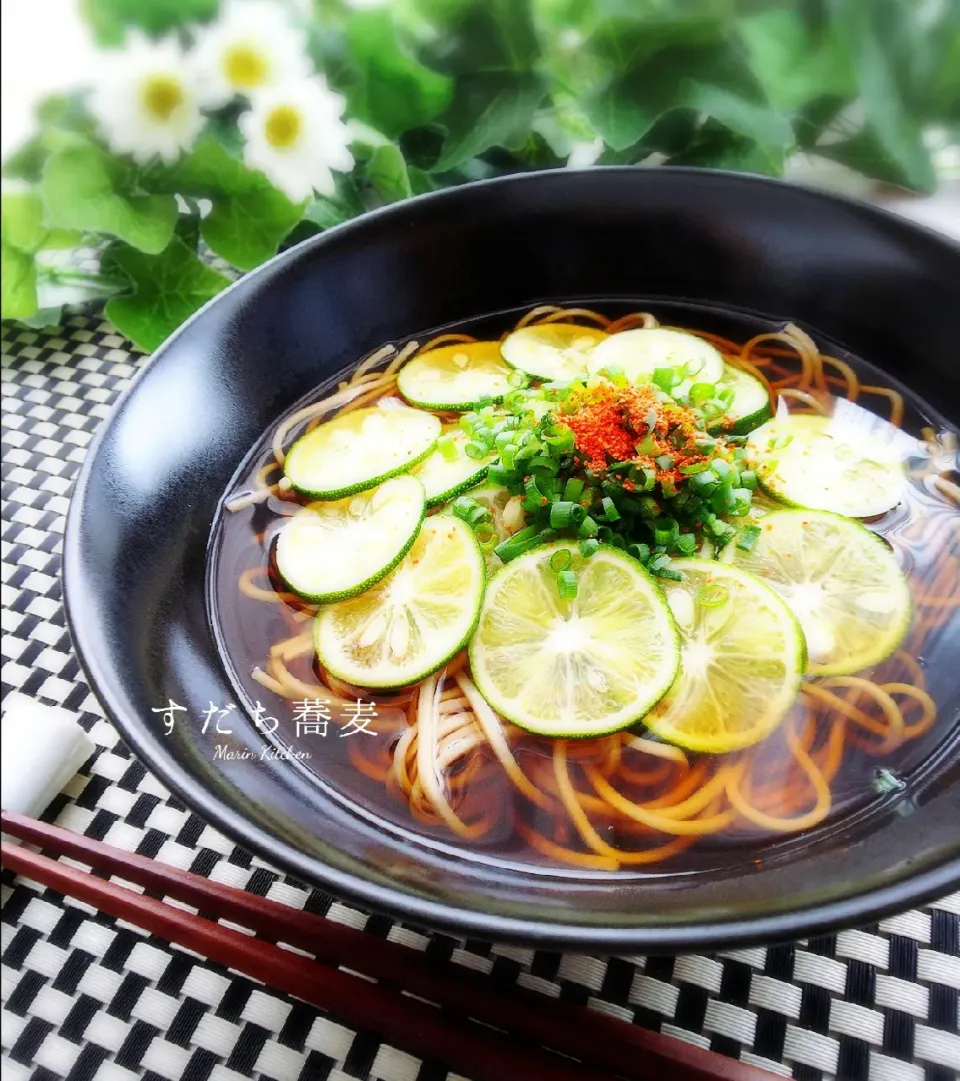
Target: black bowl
(141,517)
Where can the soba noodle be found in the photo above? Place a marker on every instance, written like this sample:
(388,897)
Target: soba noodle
(447,744)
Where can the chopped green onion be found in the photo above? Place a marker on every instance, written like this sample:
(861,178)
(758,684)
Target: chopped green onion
(665,530)
(588,527)
(701,392)
(567,585)
(476,451)
(447,447)
(694,468)
(517,379)
(748,537)
(486,536)
(713,596)
(664,461)
(667,378)
(573,489)
(748,479)
(647,446)
(499,475)
(639,551)
(588,547)
(669,573)
(561,560)
(517,544)
(686,544)
(721,468)
(646,478)
(693,367)
(565,514)
(610,509)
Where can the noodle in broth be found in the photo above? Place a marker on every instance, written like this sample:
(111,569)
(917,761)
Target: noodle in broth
(447,756)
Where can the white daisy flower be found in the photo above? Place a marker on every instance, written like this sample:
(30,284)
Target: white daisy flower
(145,101)
(295,137)
(252,46)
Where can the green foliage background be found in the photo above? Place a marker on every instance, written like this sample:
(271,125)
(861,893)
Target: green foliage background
(449,91)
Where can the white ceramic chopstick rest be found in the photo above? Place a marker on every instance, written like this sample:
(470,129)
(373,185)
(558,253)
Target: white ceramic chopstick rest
(43,747)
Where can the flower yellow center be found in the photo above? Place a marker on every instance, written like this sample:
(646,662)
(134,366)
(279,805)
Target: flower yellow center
(244,66)
(162,96)
(283,127)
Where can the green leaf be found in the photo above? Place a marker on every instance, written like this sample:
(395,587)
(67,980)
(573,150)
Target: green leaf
(489,110)
(629,41)
(110,18)
(246,229)
(716,148)
(249,218)
(387,172)
(864,153)
(890,129)
(794,67)
(482,35)
(210,169)
(84,188)
(325,212)
(760,123)
(18,283)
(711,79)
(167,289)
(21,220)
(394,91)
(23,227)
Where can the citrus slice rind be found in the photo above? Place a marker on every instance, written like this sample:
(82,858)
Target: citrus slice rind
(808,461)
(455,377)
(359,450)
(554,351)
(840,580)
(574,668)
(741,663)
(336,549)
(411,622)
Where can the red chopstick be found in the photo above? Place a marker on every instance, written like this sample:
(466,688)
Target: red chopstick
(599,1041)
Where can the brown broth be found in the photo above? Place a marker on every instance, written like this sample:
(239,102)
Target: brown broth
(924,532)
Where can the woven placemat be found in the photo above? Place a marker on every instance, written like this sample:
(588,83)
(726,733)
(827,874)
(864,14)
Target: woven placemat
(90,998)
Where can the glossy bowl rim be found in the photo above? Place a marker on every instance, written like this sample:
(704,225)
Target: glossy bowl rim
(858,908)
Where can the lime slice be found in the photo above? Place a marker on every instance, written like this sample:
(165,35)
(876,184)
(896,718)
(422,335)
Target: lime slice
(358,450)
(412,622)
(334,550)
(751,400)
(741,665)
(455,377)
(444,477)
(808,461)
(554,351)
(840,580)
(507,513)
(574,668)
(638,354)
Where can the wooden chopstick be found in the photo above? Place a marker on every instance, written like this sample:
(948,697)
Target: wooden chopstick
(598,1040)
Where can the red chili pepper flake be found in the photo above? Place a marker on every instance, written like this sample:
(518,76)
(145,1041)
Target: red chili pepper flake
(608,422)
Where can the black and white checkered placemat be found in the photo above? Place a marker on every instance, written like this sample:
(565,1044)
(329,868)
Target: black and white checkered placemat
(90,998)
